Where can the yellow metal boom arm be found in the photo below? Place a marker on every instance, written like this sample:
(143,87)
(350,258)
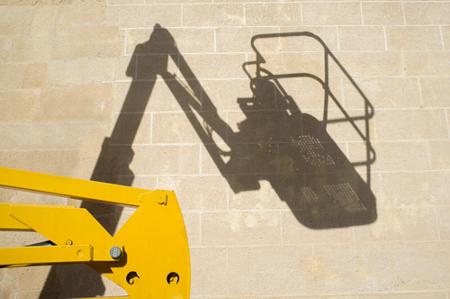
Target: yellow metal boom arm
(148,257)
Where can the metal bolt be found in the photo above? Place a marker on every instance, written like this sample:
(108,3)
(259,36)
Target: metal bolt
(115,252)
(69,242)
(173,278)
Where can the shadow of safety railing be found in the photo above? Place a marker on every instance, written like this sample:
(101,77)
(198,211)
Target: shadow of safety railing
(328,56)
(324,189)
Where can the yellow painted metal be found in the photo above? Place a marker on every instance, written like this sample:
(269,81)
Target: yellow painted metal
(8,222)
(156,247)
(46,254)
(63,225)
(82,189)
(155,259)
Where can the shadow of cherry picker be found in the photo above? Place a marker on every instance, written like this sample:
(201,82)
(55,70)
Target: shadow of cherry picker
(277,142)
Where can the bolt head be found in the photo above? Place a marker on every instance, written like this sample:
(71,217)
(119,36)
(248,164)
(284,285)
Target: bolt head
(115,252)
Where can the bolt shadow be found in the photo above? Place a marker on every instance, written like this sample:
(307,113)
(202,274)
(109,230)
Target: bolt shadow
(277,142)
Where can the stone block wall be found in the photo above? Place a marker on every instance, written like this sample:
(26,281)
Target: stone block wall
(71,71)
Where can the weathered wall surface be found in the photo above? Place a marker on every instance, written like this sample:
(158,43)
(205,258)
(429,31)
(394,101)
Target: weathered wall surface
(64,81)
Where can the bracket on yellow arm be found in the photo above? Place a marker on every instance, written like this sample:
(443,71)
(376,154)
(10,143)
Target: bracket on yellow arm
(148,257)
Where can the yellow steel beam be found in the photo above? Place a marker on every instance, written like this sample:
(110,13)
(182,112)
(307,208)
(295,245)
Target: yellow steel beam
(45,255)
(8,222)
(71,187)
(154,253)
(64,225)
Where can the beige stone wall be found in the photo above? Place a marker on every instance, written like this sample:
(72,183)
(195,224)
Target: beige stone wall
(63,82)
